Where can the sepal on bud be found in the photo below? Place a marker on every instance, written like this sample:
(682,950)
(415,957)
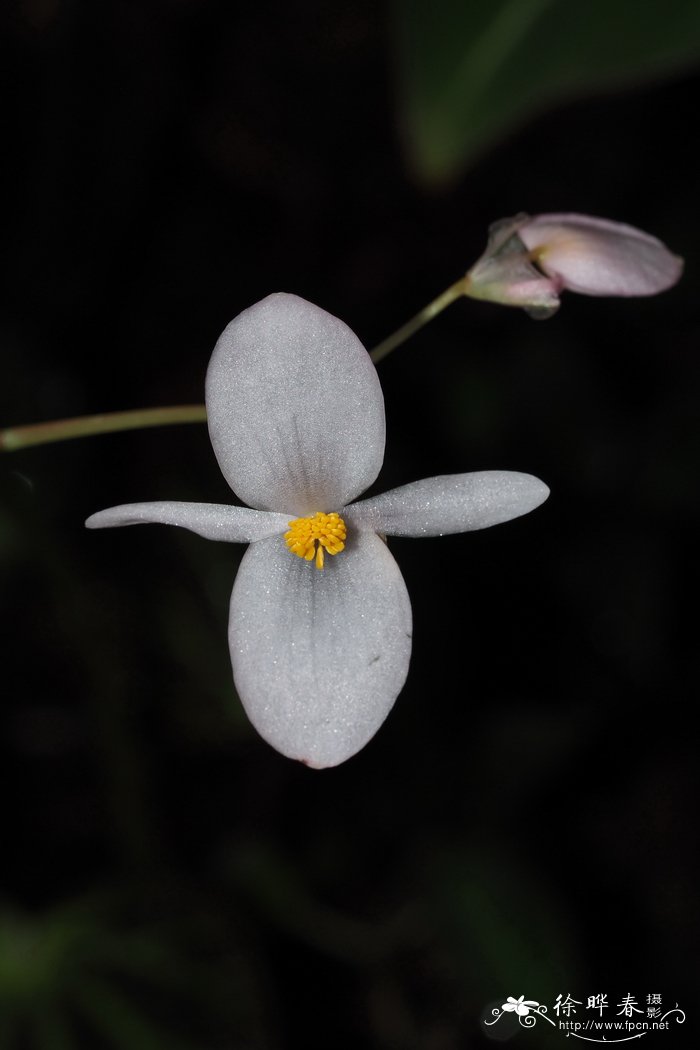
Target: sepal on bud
(506,274)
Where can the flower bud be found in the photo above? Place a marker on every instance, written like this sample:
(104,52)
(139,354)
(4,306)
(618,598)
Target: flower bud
(528,261)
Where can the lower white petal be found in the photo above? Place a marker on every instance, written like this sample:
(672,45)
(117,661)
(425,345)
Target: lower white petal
(212,520)
(449,503)
(319,656)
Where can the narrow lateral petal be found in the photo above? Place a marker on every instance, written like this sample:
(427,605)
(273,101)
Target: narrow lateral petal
(600,257)
(212,520)
(295,409)
(449,503)
(319,656)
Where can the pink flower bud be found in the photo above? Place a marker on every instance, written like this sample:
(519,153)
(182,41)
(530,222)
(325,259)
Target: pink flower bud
(506,274)
(529,261)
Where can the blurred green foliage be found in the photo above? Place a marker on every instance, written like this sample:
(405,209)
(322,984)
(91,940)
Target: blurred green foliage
(117,971)
(470,71)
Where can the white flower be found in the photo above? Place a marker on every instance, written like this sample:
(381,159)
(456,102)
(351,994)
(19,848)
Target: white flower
(296,419)
(520,1006)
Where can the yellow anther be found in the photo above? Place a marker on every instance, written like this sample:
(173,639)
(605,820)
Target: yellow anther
(309,537)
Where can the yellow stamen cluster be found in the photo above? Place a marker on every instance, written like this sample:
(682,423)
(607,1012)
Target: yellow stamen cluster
(309,537)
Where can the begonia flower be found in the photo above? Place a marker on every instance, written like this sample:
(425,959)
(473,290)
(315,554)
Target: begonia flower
(528,261)
(320,619)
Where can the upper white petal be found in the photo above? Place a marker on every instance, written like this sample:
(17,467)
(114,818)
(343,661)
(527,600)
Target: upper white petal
(600,257)
(319,656)
(212,520)
(449,503)
(295,409)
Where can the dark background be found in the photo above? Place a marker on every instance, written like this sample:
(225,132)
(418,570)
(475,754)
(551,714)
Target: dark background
(525,821)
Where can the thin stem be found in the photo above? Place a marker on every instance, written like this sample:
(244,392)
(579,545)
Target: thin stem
(109,422)
(416,323)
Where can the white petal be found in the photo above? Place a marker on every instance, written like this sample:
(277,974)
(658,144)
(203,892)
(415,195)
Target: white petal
(449,503)
(211,520)
(319,656)
(600,257)
(295,409)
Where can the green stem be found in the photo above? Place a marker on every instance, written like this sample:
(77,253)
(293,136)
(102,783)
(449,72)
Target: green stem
(416,323)
(109,422)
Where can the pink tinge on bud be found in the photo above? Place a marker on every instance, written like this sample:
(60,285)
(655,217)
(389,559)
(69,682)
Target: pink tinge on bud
(599,257)
(528,261)
(506,274)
